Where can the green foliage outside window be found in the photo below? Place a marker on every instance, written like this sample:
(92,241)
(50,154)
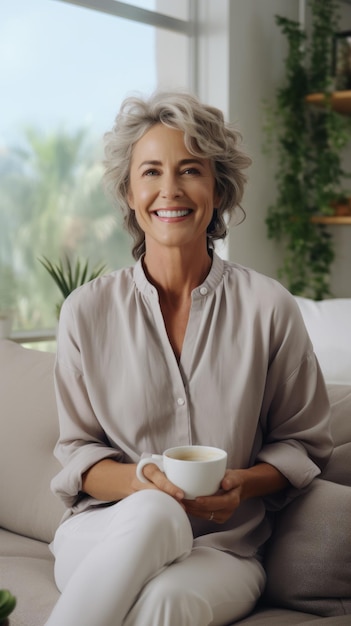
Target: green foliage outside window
(53,205)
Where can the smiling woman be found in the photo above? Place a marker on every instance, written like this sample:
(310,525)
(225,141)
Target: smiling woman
(180,349)
(216,160)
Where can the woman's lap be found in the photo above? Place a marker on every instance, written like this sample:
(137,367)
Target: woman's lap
(148,542)
(229,587)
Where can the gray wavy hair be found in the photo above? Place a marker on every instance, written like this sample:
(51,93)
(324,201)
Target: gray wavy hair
(206,135)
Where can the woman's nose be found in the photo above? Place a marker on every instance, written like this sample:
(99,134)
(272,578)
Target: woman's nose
(170,187)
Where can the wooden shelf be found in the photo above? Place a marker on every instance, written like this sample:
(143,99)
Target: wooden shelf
(331,219)
(341,101)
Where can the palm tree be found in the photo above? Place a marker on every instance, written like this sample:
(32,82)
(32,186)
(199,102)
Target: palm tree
(53,205)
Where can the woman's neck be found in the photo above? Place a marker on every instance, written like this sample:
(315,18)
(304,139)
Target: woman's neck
(175,273)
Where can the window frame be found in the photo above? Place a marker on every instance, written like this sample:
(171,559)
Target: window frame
(137,14)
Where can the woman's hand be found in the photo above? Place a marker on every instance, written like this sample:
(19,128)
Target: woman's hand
(221,506)
(237,485)
(157,480)
(110,480)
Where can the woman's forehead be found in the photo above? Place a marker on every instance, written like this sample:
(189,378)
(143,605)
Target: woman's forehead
(160,141)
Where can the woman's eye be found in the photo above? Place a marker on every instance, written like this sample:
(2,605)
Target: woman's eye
(151,172)
(193,171)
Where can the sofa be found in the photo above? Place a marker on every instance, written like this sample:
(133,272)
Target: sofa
(307,559)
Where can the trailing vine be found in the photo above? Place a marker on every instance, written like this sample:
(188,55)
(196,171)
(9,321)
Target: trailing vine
(308,145)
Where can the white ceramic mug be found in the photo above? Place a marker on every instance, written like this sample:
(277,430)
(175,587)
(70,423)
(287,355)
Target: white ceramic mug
(196,470)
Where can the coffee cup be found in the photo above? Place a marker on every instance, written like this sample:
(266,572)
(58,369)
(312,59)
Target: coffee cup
(196,470)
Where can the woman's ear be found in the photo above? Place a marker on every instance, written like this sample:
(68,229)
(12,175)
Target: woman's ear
(217,199)
(130,200)
(217,196)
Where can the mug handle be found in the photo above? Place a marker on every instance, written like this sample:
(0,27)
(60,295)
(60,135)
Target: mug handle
(156,459)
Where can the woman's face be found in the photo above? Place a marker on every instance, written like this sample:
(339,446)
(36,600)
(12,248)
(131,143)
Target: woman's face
(171,191)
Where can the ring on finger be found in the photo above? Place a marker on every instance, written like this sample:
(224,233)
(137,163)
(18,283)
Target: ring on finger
(211,516)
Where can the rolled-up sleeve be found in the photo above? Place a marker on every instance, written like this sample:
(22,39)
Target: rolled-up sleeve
(296,411)
(298,440)
(82,441)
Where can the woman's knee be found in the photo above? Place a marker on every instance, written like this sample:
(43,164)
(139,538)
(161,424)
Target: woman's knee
(147,520)
(161,518)
(150,520)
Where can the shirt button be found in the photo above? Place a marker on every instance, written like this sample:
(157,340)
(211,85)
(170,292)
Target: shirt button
(203,291)
(180,401)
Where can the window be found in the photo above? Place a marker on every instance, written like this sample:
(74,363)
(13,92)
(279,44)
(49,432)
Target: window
(64,70)
(178,9)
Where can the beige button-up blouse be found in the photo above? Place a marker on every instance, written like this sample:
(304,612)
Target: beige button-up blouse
(247,381)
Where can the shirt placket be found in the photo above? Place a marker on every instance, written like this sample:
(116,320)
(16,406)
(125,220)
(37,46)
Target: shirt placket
(179,387)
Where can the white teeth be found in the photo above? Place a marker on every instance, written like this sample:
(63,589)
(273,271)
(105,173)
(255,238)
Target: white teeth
(165,213)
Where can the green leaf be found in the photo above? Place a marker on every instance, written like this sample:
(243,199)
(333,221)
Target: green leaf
(68,275)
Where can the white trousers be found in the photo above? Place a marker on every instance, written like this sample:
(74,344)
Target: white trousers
(135,563)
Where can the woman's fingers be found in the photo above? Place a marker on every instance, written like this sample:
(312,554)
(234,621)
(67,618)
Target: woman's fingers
(218,508)
(158,479)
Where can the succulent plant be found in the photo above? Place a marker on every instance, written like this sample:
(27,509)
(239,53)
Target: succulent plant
(7,603)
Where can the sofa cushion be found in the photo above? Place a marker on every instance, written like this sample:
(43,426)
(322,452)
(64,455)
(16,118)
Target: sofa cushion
(27,569)
(29,430)
(308,559)
(340,401)
(339,467)
(268,616)
(328,325)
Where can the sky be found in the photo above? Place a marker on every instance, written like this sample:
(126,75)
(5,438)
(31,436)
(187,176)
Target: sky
(67,66)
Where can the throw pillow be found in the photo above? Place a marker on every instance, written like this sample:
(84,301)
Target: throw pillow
(29,431)
(308,559)
(339,467)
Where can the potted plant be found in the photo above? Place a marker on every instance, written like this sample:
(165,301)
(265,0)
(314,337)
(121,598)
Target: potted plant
(68,275)
(7,299)
(308,143)
(341,206)
(7,604)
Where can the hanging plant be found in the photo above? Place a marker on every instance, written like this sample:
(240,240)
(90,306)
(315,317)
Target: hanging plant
(307,144)
(329,131)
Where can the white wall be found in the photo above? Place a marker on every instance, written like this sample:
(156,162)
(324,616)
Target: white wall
(257,50)
(242,55)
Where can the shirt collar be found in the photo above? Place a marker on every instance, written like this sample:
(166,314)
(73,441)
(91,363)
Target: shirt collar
(210,283)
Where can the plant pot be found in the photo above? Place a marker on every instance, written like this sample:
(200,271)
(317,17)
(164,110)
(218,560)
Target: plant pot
(342,207)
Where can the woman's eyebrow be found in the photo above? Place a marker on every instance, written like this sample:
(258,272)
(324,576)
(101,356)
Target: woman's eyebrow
(190,161)
(154,162)
(182,162)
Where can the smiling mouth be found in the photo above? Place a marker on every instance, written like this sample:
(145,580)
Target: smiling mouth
(172,213)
